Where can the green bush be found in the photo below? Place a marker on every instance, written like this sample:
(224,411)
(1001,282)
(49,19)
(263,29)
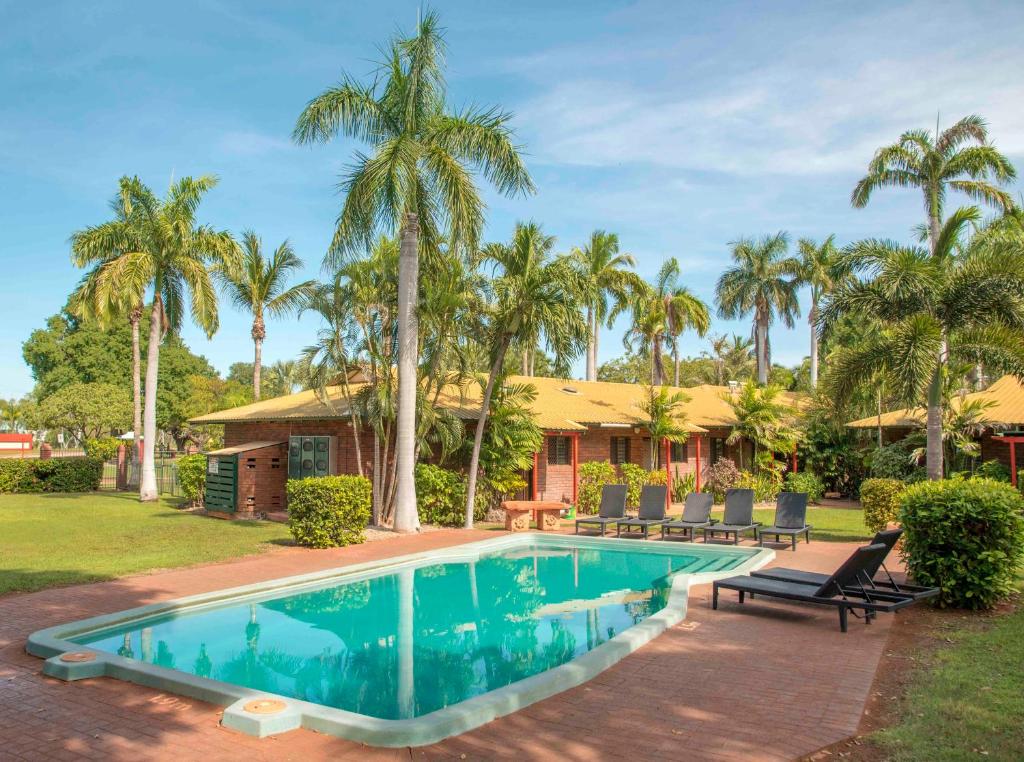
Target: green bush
(993,469)
(329,511)
(192,476)
(894,462)
(964,537)
(657,476)
(766,488)
(51,475)
(683,486)
(880,499)
(441,496)
(594,475)
(634,477)
(805,481)
(722,475)
(102,449)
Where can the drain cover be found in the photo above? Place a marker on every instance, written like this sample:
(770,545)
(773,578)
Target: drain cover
(265,706)
(78,656)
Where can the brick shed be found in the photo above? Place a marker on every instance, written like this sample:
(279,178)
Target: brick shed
(247,480)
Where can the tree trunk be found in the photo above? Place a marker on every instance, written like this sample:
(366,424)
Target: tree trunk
(478,436)
(525,367)
(406,516)
(147,484)
(933,448)
(134,318)
(592,345)
(762,351)
(257,358)
(375,483)
(675,362)
(657,363)
(812,319)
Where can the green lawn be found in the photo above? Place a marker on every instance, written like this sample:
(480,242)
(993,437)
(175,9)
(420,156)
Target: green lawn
(969,704)
(830,524)
(50,540)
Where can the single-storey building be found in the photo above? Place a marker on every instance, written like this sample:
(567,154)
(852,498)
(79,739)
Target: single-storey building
(582,421)
(1003,432)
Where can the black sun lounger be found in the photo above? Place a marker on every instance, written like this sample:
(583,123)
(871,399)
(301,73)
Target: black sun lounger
(651,513)
(841,590)
(887,537)
(696,515)
(613,508)
(790,519)
(739,516)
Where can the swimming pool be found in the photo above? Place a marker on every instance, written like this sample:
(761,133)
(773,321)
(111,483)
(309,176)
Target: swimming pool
(406,651)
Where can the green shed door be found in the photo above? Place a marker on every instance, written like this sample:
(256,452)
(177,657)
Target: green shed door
(321,456)
(307,467)
(221,483)
(294,457)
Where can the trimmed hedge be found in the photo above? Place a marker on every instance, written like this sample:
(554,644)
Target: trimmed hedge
(594,475)
(329,511)
(880,499)
(102,449)
(805,481)
(50,475)
(964,537)
(192,477)
(441,497)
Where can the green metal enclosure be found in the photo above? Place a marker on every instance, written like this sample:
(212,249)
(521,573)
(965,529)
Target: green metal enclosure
(311,456)
(222,483)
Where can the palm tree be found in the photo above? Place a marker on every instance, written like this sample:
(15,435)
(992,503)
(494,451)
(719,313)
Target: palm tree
(534,295)
(763,281)
(160,247)
(731,359)
(607,276)
(417,181)
(961,302)
(258,285)
(762,419)
(822,269)
(666,418)
(284,377)
(660,315)
(937,163)
(88,248)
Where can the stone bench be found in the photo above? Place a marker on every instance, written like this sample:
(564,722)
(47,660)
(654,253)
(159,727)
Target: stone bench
(547,514)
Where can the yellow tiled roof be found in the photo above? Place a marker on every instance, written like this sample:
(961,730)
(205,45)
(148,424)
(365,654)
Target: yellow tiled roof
(561,405)
(1006,394)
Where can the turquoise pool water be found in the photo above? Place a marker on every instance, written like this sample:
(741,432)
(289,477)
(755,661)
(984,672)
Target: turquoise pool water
(404,643)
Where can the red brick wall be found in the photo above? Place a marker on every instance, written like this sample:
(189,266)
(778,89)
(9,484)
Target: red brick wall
(262,475)
(240,433)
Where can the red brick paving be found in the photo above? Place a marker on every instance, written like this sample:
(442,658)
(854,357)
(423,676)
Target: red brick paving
(758,683)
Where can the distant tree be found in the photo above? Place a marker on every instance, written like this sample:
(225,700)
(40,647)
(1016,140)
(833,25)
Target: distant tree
(86,411)
(609,282)
(666,418)
(936,163)
(283,377)
(259,286)
(631,368)
(763,419)
(763,281)
(823,269)
(731,359)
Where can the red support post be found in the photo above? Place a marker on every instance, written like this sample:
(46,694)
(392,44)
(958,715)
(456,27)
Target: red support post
(1013,463)
(794,458)
(698,469)
(575,466)
(668,473)
(533,476)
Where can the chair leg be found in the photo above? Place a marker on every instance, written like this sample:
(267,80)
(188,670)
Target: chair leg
(842,619)
(794,543)
(741,596)
(714,596)
(807,536)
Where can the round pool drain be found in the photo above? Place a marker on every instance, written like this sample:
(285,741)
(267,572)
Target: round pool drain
(265,706)
(78,656)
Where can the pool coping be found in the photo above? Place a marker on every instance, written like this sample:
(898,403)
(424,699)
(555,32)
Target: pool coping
(240,714)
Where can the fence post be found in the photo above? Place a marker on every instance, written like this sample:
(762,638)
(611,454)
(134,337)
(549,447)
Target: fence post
(122,468)
(45,451)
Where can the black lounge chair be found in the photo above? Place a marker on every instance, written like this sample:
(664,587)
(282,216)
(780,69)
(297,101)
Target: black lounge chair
(651,513)
(739,516)
(790,519)
(613,508)
(841,589)
(888,538)
(696,515)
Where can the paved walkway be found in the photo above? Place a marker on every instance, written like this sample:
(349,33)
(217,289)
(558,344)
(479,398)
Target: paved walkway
(757,683)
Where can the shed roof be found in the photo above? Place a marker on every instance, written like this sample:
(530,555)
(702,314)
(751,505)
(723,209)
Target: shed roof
(1006,395)
(561,405)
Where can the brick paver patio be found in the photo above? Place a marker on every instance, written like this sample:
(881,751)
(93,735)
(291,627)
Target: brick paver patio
(761,682)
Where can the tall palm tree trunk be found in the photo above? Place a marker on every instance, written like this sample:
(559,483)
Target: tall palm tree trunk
(147,484)
(762,350)
(525,367)
(259,332)
(675,362)
(657,363)
(592,345)
(812,319)
(135,317)
(478,435)
(406,516)
(933,446)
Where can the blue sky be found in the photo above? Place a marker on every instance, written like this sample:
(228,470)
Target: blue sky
(680,126)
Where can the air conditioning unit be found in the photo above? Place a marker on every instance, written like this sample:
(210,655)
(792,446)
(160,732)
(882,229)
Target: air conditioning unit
(310,456)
